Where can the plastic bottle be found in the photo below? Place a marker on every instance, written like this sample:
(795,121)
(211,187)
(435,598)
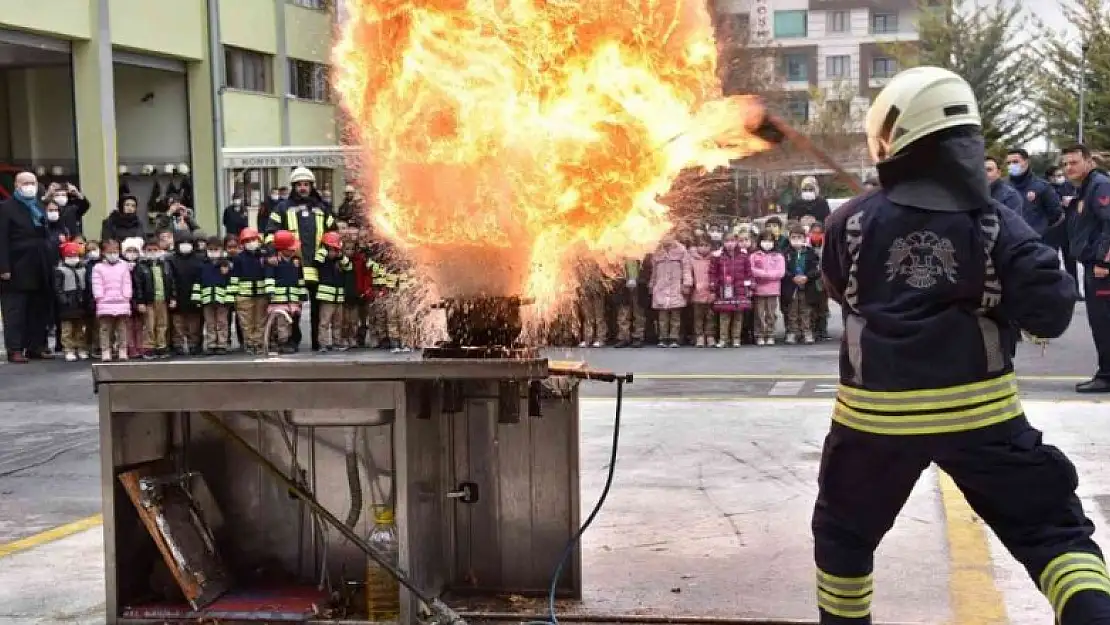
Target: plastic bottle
(383,591)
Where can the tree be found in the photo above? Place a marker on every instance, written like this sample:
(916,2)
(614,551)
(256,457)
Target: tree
(987,45)
(1060,78)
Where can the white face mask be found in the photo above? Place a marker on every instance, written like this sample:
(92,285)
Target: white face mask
(236,202)
(28,190)
(61,200)
(185,248)
(215,255)
(111,257)
(797,243)
(94,254)
(72,261)
(809,196)
(252,246)
(131,256)
(1059,180)
(53,215)
(766,246)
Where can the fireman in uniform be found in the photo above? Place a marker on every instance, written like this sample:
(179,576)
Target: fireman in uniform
(934,278)
(304,214)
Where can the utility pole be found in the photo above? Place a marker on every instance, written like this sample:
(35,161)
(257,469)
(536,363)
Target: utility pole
(1082,87)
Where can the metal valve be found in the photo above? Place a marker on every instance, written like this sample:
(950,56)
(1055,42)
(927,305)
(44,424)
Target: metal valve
(466,492)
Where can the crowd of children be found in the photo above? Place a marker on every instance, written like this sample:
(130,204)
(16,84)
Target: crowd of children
(187,294)
(704,290)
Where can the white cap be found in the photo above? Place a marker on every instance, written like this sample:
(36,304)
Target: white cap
(168,168)
(148,170)
(916,103)
(57,170)
(40,171)
(132,243)
(183,169)
(123,170)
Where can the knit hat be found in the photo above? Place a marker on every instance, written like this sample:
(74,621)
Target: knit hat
(132,243)
(71,248)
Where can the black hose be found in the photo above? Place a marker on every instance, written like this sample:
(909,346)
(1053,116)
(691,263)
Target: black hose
(355,485)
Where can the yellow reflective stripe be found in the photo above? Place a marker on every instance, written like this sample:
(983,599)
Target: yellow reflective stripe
(345,263)
(1070,573)
(310,274)
(321,255)
(845,586)
(844,608)
(936,423)
(1075,583)
(932,398)
(1065,562)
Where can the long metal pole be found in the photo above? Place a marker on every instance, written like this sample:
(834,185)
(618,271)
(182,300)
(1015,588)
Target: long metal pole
(1082,89)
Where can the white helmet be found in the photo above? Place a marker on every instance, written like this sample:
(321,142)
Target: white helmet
(302,174)
(915,104)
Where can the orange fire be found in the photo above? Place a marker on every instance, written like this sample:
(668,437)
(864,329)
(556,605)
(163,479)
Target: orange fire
(505,138)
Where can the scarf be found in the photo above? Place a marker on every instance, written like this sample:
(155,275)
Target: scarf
(32,206)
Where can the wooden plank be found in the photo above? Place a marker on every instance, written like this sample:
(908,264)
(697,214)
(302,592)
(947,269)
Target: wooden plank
(181,539)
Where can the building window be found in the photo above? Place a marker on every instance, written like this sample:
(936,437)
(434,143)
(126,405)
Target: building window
(838,66)
(884,23)
(797,109)
(248,70)
(837,22)
(883,67)
(791,24)
(310,4)
(308,80)
(795,68)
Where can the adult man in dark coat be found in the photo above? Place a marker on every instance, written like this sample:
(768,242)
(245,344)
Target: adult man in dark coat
(27,258)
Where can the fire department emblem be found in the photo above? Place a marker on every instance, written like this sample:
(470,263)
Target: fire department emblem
(921,259)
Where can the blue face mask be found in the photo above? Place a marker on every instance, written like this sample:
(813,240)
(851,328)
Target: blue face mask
(1015,169)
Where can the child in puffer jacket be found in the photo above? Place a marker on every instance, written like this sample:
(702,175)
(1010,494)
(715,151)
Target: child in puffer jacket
(702,258)
(768,269)
(732,287)
(69,301)
(672,280)
(111,288)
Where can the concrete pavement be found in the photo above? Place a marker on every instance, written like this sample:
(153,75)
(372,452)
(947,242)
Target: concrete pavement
(709,516)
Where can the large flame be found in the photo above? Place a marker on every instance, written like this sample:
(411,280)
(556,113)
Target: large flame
(502,139)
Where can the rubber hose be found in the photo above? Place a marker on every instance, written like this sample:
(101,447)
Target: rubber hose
(354,481)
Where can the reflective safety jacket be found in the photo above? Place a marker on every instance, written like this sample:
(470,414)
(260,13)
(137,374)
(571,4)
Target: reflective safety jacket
(332,275)
(248,275)
(308,222)
(213,285)
(933,302)
(284,282)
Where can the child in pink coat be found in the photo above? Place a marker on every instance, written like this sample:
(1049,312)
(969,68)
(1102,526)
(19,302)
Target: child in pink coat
(768,269)
(111,289)
(705,320)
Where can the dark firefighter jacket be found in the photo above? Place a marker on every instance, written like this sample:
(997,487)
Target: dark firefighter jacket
(1041,205)
(308,220)
(932,305)
(1089,222)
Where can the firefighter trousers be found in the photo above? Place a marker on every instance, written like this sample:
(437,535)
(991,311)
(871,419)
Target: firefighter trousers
(1022,488)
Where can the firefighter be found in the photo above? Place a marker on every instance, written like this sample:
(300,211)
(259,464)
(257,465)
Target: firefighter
(935,278)
(304,214)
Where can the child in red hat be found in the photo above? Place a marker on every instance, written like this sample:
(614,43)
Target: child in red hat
(70,293)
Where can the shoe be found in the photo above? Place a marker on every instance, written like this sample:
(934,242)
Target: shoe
(45,354)
(809,340)
(324,349)
(1094,385)
(149,355)
(219,351)
(770,340)
(637,344)
(287,349)
(595,344)
(736,343)
(342,348)
(106,356)
(622,344)
(673,344)
(583,344)
(123,355)
(662,344)
(761,341)
(82,354)
(71,356)
(790,338)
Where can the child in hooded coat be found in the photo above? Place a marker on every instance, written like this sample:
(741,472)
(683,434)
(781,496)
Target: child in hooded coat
(132,252)
(672,279)
(768,269)
(732,287)
(702,261)
(111,290)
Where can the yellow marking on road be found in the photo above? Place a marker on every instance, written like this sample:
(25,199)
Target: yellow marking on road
(974,598)
(50,535)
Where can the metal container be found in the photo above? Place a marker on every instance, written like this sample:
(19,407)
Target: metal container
(482,454)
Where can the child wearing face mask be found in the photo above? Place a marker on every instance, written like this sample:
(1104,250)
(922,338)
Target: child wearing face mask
(768,268)
(112,289)
(286,287)
(132,252)
(210,292)
(821,307)
(352,301)
(799,288)
(702,260)
(231,250)
(71,306)
(186,322)
(92,330)
(732,287)
(332,267)
(154,298)
(248,284)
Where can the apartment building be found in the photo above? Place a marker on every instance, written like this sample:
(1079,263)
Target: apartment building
(826,54)
(221,95)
